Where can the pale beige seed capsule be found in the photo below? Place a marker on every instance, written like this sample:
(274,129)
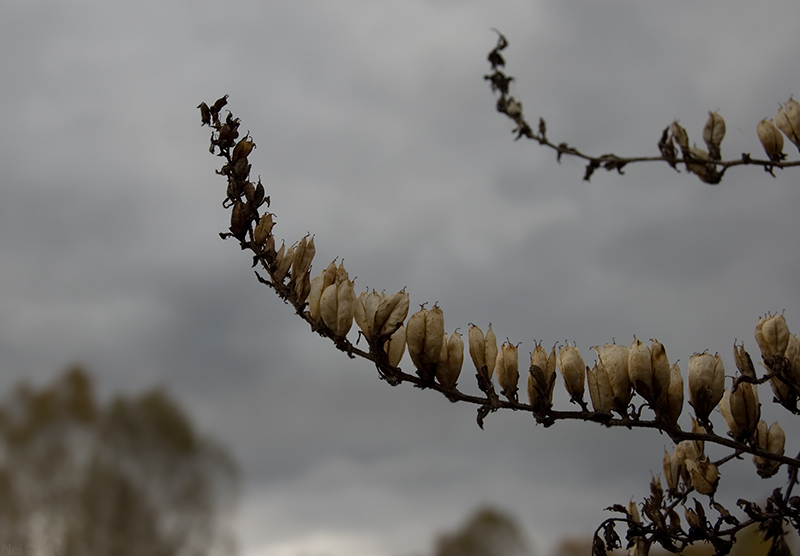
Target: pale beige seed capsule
(415,337)
(391,313)
(713,133)
(704,476)
(771,139)
(640,370)
(365,309)
(507,369)
(706,383)
(483,349)
(599,388)
(662,373)
(772,335)
(283,262)
(304,254)
(788,120)
(772,440)
(395,346)
(703,171)
(697,428)
(614,359)
(434,334)
(451,360)
(318,285)
(572,368)
(675,394)
(263,229)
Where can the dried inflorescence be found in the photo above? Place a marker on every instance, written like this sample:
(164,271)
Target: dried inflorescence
(620,373)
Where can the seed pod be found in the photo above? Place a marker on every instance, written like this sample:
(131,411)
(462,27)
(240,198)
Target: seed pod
(302,287)
(600,389)
(771,139)
(507,370)
(303,255)
(640,370)
(263,229)
(692,518)
(614,359)
(450,360)
(704,475)
(318,285)
(572,368)
(364,314)
(713,133)
(788,120)
(671,469)
(542,378)
(792,355)
(772,335)
(706,383)
(283,262)
(705,172)
(699,445)
(772,440)
(240,220)
(243,148)
(679,134)
(424,336)
(337,304)
(743,361)
(390,313)
(674,403)
(662,374)
(395,346)
(483,350)
(741,410)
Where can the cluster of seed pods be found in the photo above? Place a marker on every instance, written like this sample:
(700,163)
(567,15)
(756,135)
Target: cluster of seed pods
(787,121)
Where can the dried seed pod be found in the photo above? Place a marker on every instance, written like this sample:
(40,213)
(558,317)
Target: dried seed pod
(679,134)
(240,220)
(743,361)
(771,139)
(542,378)
(337,304)
(572,368)
(395,346)
(424,336)
(365,309)
(713,133)
(662,373)
(788,120)
(741,410)
(671,471)
(450,360)
(614,359)
(390,313)
(483,349)
(507,370)
(705,172)
(640,370)
(792,355)
(263,230)
(600,389)
(674,403)
(283,262)
(243,148)
(704,475)
(303,255)
(772,440)
(318,285)
(706,383)
(772,336)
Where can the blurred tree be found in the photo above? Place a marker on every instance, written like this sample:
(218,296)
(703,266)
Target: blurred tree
(488,532)
(131,477)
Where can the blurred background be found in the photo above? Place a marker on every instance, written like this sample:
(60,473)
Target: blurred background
(376,132)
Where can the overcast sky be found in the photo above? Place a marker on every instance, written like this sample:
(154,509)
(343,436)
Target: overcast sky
(377,133)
